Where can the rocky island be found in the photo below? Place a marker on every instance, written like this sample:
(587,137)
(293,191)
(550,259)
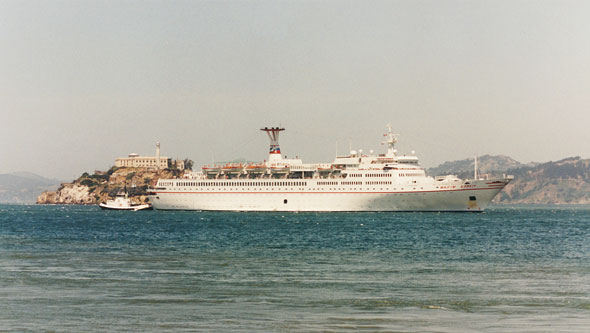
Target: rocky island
(101,186)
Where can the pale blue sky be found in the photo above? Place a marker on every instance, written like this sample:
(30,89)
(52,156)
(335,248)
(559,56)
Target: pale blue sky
(83,82)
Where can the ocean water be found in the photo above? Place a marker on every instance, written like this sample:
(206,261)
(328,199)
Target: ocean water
(510,269)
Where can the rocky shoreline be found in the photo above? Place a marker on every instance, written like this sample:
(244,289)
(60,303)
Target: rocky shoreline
(102,186)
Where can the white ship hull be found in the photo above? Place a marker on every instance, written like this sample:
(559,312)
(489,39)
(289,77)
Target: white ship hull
(352,183)
(318,199)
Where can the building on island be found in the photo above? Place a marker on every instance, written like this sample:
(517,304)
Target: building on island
(151,162)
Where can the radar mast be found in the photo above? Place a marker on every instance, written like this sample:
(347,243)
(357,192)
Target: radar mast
(391,141)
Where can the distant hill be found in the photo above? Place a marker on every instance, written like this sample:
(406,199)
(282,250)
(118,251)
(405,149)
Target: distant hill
(562,182)
(487,164)
(24,187)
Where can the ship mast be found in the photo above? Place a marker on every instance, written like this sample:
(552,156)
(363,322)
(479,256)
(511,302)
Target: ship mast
(274,154)
(391,141)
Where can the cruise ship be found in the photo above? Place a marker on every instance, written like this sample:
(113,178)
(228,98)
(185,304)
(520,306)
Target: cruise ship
(352,183)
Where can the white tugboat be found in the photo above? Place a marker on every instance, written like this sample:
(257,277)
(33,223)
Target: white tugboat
(122,202)
(355,182)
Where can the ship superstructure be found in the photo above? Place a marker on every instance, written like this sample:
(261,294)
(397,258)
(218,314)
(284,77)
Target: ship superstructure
(354,182)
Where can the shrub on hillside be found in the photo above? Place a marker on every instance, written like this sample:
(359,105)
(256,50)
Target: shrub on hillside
(87,182)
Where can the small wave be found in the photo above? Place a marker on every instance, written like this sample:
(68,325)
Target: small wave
(434,307)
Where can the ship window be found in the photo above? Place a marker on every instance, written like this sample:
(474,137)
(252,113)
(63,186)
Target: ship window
(472,198)
(285,201)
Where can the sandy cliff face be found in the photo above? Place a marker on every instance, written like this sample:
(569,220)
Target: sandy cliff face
(97,188)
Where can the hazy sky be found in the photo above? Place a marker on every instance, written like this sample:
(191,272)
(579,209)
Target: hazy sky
(84,82)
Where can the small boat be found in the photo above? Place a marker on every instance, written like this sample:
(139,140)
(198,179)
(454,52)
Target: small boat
(122,202)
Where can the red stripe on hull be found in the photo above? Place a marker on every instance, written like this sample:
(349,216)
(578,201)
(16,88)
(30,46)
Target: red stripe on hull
(312,192)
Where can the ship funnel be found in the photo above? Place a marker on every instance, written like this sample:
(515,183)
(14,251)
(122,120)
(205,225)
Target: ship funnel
(275,151)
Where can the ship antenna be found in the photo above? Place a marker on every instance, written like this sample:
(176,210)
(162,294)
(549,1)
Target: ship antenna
(475,167)
(391,141)
(274,154)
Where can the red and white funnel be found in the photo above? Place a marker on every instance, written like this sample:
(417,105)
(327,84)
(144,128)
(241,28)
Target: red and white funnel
(274,154)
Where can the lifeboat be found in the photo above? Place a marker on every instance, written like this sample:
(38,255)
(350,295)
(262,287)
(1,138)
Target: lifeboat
(279,169)
(233,169)
(325,169)
(255,169)
(390,166)
(211,170)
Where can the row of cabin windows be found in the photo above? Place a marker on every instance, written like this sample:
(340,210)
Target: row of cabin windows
(380,182)
(168,183)
(337,189)
(240,184)
(352,183)
(370,175)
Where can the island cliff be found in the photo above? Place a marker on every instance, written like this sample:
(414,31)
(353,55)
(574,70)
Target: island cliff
(101,186)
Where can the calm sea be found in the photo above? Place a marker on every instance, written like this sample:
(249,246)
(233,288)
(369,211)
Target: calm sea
(510,269)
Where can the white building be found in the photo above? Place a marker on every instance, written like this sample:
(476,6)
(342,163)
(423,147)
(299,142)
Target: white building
(152,162)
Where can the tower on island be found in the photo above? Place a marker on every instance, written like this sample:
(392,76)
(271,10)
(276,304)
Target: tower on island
(158,165)
(274,154)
